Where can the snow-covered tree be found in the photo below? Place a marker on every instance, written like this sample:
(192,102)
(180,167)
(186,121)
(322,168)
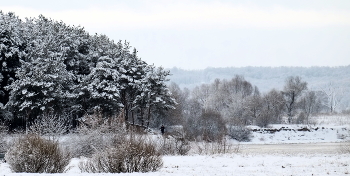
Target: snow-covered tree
(272,108)
(132,82)
(176,116)
(334,95)
(42,86)
(11,51)
(156,95)
(293,89)
(43,82)
(102,86)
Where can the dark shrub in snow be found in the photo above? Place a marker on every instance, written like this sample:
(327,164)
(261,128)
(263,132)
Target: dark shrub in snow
(240,133)
(210,126)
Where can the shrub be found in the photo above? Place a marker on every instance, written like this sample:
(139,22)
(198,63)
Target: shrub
(174,145)
(210,126)
(301,119)
(264,120)
(50,124)
(88,144)
(134,155)
(174,142)
(96,133)
(97,122)
(240,133)
(3,131)
(34,154)
(220,147)
(182,146)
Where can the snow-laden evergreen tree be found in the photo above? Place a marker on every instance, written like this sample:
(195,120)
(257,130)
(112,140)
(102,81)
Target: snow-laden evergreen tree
(98,88)
(102,86)
(158,97)
(43,81)
(11,51)
(42,86)
(132,81)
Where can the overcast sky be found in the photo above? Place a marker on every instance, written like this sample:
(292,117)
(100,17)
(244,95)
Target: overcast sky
(196,34)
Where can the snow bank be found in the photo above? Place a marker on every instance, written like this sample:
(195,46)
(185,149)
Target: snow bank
(279,134)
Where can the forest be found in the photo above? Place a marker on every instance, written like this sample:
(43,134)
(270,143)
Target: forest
(48,68)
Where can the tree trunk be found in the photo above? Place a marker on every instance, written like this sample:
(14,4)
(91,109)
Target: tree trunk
(148,116)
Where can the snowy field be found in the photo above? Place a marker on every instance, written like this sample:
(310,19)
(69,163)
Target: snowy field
(245,163)
(278,150)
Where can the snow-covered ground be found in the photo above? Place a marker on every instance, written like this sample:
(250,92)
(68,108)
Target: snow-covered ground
(279,150)
(324,129)
(234,164)
(277,134)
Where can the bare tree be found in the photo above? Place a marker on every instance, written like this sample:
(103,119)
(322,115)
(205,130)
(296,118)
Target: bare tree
(311,103)
(276,104)
(271,109)
(292,91)
(334,95)
(201,94)
(253,105)
(209,126)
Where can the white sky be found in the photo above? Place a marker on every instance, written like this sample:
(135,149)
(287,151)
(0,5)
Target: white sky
(195,34)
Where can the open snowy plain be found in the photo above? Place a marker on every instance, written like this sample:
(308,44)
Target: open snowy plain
(279,150)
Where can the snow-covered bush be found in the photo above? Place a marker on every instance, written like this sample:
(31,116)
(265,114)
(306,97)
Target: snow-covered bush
(97,122)
(95,133)
(240,133)
(3,130)
(220,147)
(85,144)
(135,154)
(50,124)
(210,126)
(182,146)
(174,145)
(88,144)
(34,154)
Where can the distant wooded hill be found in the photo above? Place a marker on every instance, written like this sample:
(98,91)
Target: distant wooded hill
(267,78)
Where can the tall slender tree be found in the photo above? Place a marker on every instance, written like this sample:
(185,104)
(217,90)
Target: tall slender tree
(292,91)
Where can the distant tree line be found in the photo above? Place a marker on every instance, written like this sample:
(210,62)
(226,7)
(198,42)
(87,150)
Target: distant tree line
(333,81)
(48,67)
(223,104)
